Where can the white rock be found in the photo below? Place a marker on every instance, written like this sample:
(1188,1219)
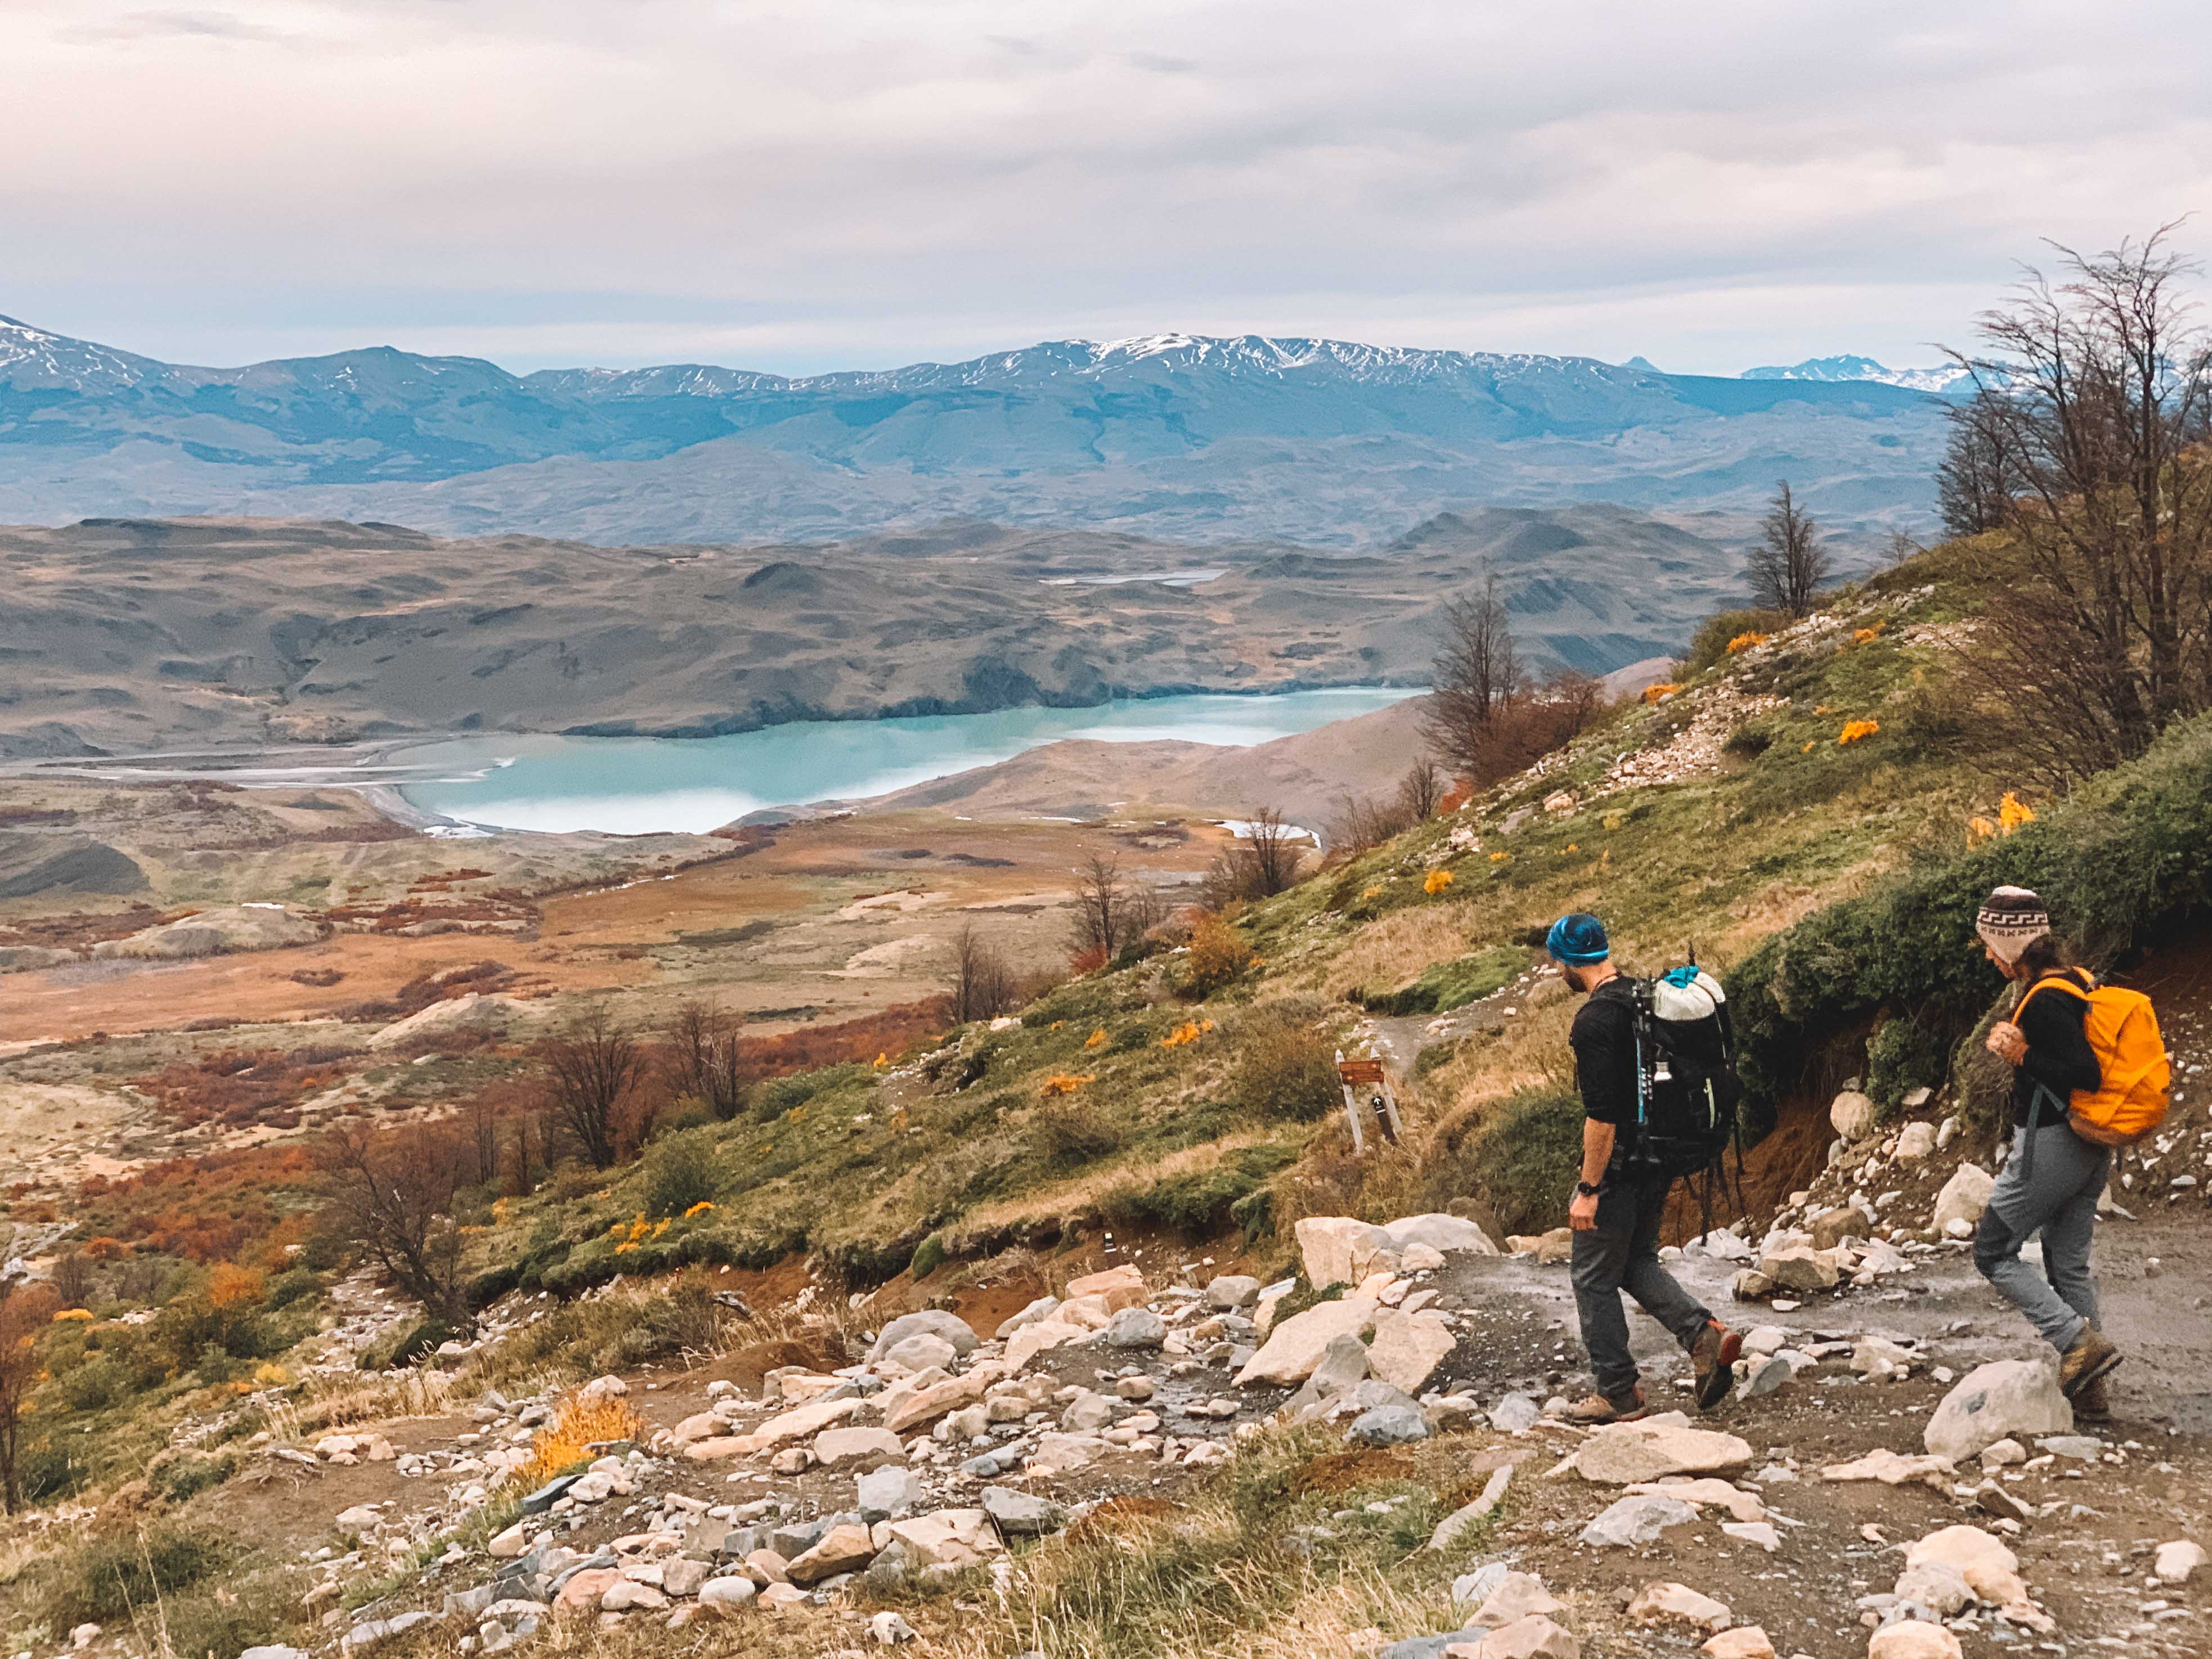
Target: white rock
(2007,1398)
(1913,1638)
(1407,1351)
(1634,1520)
(1627,1454)
(1336,1250)
(2175,1562)
(932,1321)
(1853,1115)
(919,1353)
(1964,1197)
(1294,1348)
(1937,1586)
(1441,1233)
(1915,1142)
(1518,1595)
(729,1592)
(1664,1603)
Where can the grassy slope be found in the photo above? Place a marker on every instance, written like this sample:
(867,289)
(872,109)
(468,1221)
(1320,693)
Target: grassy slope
(866,1167)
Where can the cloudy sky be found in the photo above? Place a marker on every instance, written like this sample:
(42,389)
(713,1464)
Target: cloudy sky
(845,183)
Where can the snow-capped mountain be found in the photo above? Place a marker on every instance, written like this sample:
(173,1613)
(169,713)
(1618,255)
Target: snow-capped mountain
(1944,377)
(1323,442)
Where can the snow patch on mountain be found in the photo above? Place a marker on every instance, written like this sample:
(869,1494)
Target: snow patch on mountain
(1944,377)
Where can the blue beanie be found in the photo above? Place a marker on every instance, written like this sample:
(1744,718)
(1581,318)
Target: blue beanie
(1577,939)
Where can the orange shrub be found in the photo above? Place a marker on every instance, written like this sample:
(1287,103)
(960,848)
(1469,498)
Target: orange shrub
(578,1432)
(1218,955)
(1063,1082)
(232,1286)
(1745,641)
(1653,693)
(1854,730)
(1437,881)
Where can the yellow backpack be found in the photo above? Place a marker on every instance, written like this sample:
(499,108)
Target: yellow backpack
(2123,1032)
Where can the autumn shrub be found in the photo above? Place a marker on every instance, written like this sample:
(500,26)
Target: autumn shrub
(1219,957)
(1284,1067)
(1074,1130)
(1710,644)
(581,1431)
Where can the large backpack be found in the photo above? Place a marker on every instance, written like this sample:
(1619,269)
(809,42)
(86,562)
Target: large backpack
(1687,1089)
(2122,1032)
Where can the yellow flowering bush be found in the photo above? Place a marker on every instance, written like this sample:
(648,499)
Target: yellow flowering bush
(1437,881)
(1745,641)
(1855,730)
(1653,693)
(1097,1039)
(1063,1082)
(578,1427)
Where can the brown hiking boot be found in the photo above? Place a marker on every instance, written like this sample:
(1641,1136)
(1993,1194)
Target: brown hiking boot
(2093,1404)
(2088,1359)
(1598,1410)
(1713,1357)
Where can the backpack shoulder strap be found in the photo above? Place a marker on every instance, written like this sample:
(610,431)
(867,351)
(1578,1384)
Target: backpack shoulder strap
(2064,981)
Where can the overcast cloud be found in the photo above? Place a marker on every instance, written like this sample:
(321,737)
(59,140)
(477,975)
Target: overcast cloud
(847,182)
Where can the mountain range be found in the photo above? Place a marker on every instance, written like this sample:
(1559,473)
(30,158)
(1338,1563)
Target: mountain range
(1175,436)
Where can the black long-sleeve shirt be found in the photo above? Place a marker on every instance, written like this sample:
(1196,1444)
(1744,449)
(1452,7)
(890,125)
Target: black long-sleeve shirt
(1603,1037)
(2059,1056)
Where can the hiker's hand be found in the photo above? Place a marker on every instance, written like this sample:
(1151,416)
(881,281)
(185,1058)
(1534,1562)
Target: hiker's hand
(2007,1042)
(1581,1214)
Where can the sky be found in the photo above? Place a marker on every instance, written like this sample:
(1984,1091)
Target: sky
(834,184)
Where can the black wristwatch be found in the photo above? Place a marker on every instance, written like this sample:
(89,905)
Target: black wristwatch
(1583,1189)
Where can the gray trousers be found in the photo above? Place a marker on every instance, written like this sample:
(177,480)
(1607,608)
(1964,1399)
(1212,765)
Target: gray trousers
(1622,1253)
(2051,1185)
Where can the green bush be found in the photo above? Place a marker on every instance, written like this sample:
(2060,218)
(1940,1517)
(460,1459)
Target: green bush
(680,1172)
(404,1345)
(1452,984)
(2124,860)
(1283,1068)
(113,1575)
(1074,1130)
(1197,1203)
(1522,1158)
(189,1472)
(93,1383)
(298,1285)
(1905,1054)
(928,1256)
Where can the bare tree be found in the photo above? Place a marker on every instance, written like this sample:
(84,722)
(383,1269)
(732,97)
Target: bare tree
(704,1060)
(1475,680)
(982,985)
(1420,789)
(1363,821)
(26,1310)
(1787,565)
(1272,851)
(590,1070)
(2097,397)
(1974,483)
(1112,912)
(72,1280)
(393,1194)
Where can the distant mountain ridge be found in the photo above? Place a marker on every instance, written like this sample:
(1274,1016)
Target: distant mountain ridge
(1944,377)
(1181,435)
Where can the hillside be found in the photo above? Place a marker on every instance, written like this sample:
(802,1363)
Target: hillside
(1166,1457)
(1176,437)
(123,636)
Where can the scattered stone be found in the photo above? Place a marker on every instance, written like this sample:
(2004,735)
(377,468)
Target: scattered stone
(1138,1389)
(1135,1327)
(1038,1312)
(1449,1529)
(1629,1454)
(887,1629)
(1915,1142)
(1517,1596)
(2005,1398)
(1441,1233)
(1392,1424)
(921,1352)
(959,1538)
(505,1546)
(1799,1267)
(1232,1290)
(2003,1454)
(1633,1521)
(1335,1249)
(1021,1514)
(846,1547)
(628,1595)
(1853,1115)
(1891,1469)
(1515,1414)
(2082,1448)
(1985,1562)
(1913,1638)
(1832,1227)
(730,1591)
(1937,1586)
(1407,1350)
(1760,1533)
(683,1576)
(1534,1638)
(375,1632)
(1663,1603)
(1744,1641)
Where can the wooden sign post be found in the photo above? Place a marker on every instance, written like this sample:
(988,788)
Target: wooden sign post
(1367,1089)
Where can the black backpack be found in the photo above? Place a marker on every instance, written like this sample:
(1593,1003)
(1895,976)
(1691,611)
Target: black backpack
(1687,1089)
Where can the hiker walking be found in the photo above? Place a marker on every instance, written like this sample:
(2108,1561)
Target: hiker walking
(1621,1195)
(2058,1169)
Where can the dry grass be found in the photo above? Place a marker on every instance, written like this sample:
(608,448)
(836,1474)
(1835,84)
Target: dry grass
(580,1431)
(1084,1191)
(1401,946)
(330,1401)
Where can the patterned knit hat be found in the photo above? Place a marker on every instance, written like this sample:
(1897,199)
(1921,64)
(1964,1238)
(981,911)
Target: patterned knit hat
(2009,918)
(1577,939)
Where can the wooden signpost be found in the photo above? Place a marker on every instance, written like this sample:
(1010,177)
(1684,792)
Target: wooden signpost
(1367,1089)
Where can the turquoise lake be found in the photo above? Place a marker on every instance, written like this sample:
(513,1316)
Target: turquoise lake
(640,786)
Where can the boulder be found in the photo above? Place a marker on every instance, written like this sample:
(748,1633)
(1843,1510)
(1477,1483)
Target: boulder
(1629,1454)
(1232,1290)
(1964,1197)
(1831,1227)
(958,1538)
(1891,1469)
(846,1547)
(683,1576)
(1088,1410)
(846,1448)
(1661,1602)
(800,1423)
(1800,1268)
(1031,1340)
(1135,1327)
(927,1405)
(1407,1350)
(929,1322)
(628,1595)
(223,930)
(2177,1562)
(505,1546)
(729,1591)
(1744,1641)
(1853,1115)
(1632,1522)
(583,1588)
(1937,1586)
(1515,1414)
(1336,1250)
(1042,1309)
(1913,1638)
(1533,1638)
(919,1353)
(1915,1142)
(1294,1348)
(1397,1423)
(1518,1595)
(1980,1558)
(888,1492)
(1441,1233)
(2007,1398)
(1118,1287)
(1022,1514)
(1069,1451)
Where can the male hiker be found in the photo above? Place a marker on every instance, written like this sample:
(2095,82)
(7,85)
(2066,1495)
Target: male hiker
(1616,1211)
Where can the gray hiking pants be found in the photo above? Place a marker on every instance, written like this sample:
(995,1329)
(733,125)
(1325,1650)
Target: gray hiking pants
(2050,1184)
(1622,1253)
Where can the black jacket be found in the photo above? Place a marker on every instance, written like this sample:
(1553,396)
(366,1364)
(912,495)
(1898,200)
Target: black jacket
(2059,1057)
